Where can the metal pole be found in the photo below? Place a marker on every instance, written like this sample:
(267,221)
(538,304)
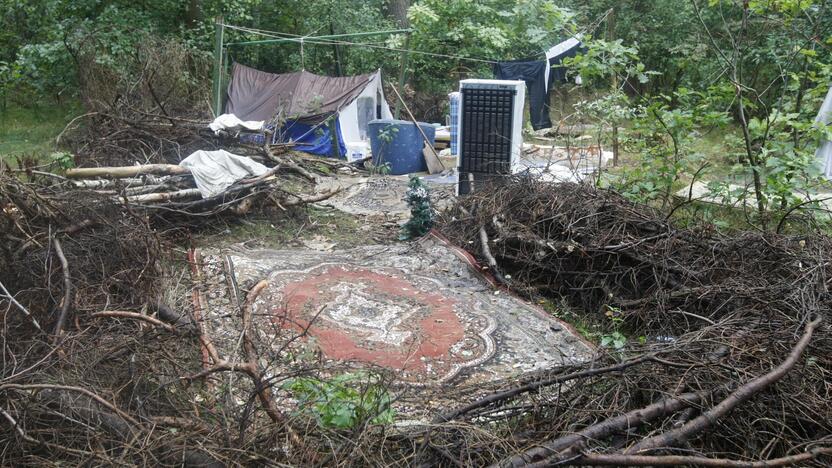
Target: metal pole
(216,85)
(402,73)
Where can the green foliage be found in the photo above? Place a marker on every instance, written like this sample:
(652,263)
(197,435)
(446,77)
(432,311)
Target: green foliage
(664,138)
(62,159)
(479,29)
(615,339)
(421,213)
(343,402)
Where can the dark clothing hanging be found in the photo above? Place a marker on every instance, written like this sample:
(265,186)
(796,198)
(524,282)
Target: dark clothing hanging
(534,74)
(557,74)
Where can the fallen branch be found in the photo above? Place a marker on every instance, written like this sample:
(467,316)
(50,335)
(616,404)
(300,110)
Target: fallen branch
(70,388)
(126,171)
(678,436)
(568,447)
(135,316)
(67,301)
(600,459)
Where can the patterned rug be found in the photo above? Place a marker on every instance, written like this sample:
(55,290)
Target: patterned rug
(421,312)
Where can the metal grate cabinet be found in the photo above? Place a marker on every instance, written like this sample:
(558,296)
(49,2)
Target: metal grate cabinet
(490,132)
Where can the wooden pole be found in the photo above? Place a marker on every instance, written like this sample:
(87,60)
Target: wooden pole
(402,73)
(339,71)
(216,82)
(413,119)
(125,171)
(610,35)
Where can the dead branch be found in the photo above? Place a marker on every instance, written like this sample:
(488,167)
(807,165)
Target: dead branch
(568,447)
(135,316)
(678,436)
(600,459)
(126,171)
(67,301)
(25,312)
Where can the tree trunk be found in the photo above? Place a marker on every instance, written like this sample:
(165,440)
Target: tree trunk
(397,10)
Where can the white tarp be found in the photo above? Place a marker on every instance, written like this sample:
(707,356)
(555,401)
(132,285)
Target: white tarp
(215,171)
(229,121)
(824,152)
(354,126)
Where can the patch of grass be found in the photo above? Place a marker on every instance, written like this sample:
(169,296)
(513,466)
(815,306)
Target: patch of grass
(32,131)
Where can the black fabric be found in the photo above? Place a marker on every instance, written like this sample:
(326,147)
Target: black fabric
(558,71)
(533,73)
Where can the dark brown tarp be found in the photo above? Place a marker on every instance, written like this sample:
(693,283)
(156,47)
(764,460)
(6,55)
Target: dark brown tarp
(304,96)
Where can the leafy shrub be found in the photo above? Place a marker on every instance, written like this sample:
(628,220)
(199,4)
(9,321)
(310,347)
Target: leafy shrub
(343,401)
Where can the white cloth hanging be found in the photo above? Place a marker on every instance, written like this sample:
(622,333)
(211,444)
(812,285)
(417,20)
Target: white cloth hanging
(824,151)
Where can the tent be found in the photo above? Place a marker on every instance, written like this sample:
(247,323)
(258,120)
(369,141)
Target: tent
(307,101)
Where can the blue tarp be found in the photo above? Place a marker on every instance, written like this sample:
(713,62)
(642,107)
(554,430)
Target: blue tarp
(317,141)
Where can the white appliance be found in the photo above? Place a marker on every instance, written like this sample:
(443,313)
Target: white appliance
(490,137)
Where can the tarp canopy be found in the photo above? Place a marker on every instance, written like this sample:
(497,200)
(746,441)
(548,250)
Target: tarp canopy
(304,96)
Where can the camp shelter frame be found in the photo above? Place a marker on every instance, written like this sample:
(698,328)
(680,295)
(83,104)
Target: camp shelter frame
(221,55)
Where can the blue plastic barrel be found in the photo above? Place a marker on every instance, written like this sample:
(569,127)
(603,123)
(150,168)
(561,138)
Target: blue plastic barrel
(399,144)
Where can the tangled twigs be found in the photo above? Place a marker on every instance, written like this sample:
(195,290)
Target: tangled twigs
(678,436)
(722,307)
(20,307)
(534,386)
(569,447)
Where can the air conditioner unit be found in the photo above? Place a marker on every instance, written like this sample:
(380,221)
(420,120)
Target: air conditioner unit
(490,137)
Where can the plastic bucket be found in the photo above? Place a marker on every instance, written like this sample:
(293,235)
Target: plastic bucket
(398,143)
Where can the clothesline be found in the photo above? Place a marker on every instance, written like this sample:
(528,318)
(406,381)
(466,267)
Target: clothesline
(307,40)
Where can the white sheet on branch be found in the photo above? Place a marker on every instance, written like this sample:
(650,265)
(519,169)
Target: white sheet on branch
(215,171)
(231,121)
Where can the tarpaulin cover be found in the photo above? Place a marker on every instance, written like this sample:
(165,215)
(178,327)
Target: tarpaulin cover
(304,97)
(534,74)
(313,139)
(215,171)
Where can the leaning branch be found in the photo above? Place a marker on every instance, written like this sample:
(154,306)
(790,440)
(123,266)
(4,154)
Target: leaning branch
(67,288)
(678,436)
(599,459)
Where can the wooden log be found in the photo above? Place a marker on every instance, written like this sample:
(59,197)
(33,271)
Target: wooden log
(126,171)
(111,183)
(165,196)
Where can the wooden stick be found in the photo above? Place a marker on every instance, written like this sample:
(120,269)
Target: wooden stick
(413,119)
(67,288)
(135,316)
(126,171)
